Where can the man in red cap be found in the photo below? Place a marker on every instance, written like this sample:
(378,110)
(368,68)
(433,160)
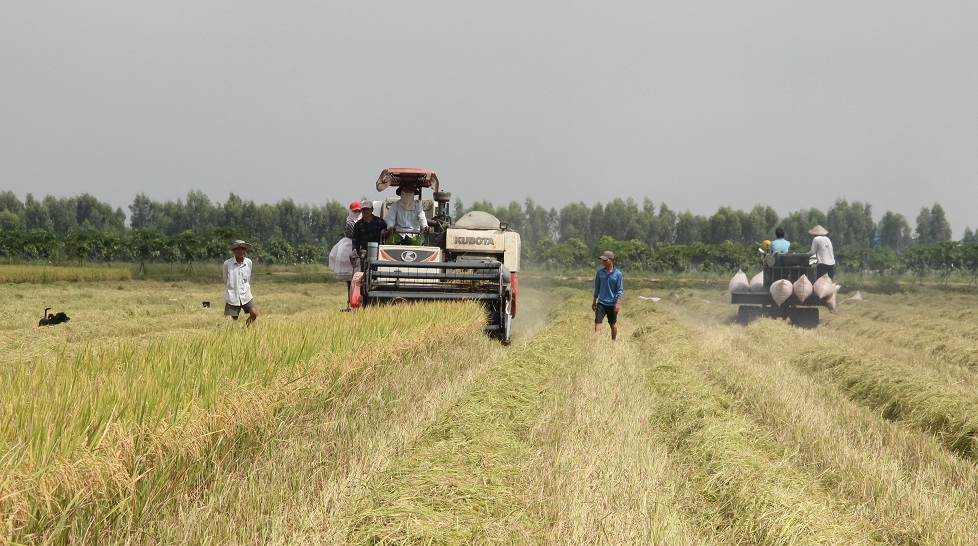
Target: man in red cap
(608,289)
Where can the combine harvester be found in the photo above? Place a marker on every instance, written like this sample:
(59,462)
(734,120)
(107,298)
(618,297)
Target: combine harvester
(476,258)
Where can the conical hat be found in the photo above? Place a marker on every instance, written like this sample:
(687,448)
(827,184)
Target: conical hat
(818,230)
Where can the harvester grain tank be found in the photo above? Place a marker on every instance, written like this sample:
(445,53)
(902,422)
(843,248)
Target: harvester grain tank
(476,258)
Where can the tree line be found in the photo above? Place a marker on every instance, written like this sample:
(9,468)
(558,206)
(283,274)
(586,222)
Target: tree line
(645,236)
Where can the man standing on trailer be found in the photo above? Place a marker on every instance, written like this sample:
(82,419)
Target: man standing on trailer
(608,289)
(823,251)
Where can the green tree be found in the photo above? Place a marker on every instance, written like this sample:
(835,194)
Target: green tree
(9,221)
(233,212)
(691,228)
(63,213)
(564,256)
(969,261)
(760,225)
(200,212)
(279,251)
(144,213)
(851,224)
(574,223)
(894,232)
(797,224)
(94,214)
(726,225)
(10,203)
(145,245)
(81,244)
(36,215)
(664,226)
(932,226)
(191,247)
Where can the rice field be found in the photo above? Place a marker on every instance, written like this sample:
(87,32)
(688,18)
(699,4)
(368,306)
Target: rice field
(149,419)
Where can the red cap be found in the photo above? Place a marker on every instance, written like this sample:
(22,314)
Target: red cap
(355,206)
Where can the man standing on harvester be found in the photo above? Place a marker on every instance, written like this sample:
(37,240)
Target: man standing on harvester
(608,289)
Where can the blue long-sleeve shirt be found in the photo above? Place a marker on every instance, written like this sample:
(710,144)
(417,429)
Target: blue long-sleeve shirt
(608,287)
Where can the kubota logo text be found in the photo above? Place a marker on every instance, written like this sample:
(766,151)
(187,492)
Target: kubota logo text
(460,240)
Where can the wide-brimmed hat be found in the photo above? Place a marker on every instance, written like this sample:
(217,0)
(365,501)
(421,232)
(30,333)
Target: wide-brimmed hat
(607,255)
(238,243)
(355,206)
(367,205)
(413,189)
(818,230)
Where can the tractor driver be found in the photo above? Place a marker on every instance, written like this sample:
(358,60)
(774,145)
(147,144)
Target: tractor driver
(405,219)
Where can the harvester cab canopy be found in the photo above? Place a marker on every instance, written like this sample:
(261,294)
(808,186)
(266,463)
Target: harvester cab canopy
(407,177)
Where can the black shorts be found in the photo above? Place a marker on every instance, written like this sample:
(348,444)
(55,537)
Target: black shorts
(605,310)
(822,269)
(235,310)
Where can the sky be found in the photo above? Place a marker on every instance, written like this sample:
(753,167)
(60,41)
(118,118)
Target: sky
(695,105)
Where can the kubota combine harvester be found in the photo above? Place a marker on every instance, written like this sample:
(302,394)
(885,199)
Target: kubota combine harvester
(476,258)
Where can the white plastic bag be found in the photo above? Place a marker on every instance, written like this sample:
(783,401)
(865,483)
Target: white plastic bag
(339,259)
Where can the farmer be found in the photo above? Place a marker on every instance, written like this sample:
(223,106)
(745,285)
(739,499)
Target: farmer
(822,249)
(608,289)
(780,245)
(368,229)
(406,216)
(237,284)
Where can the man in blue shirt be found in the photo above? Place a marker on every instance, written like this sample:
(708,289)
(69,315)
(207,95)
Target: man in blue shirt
(608,289)
(780,245)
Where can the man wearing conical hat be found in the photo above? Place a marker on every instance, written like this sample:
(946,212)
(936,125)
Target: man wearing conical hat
(822,249)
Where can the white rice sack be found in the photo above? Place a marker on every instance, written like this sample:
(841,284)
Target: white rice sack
(823,287)
(781,290)
(757,283)
(802,288)
(739,282)
(830,302)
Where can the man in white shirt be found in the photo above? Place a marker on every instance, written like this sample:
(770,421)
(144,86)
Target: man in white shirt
(822,249)
(405,216)
(237,284)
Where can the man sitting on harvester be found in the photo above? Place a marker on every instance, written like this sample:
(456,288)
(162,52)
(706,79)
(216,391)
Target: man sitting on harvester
(405,219)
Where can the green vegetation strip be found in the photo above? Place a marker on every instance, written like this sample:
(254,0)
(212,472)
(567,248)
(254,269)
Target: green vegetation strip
(50,274)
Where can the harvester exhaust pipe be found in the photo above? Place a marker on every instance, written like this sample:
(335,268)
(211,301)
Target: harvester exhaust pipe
(442,203)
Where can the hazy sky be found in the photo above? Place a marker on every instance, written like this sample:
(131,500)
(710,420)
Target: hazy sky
(697,105)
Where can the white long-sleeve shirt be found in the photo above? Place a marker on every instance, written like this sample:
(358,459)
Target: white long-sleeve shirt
(237,282)
(822,247)
(404,220)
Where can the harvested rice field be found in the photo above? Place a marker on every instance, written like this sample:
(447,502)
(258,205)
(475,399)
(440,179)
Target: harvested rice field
(149,419)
